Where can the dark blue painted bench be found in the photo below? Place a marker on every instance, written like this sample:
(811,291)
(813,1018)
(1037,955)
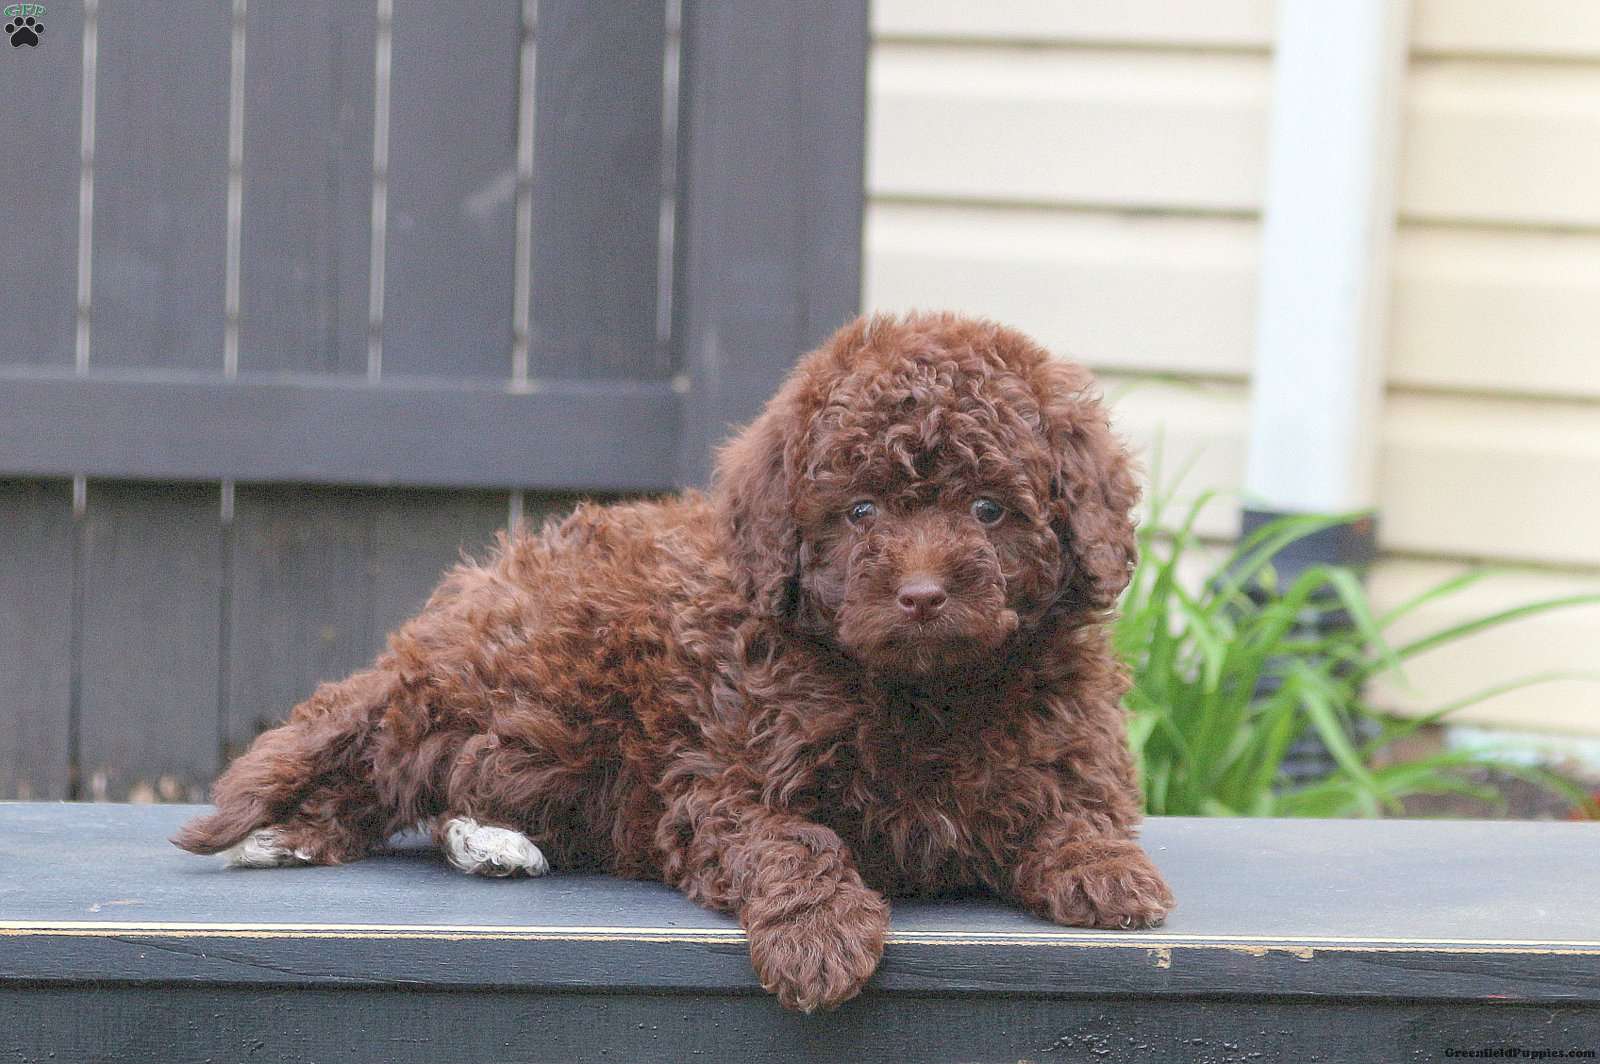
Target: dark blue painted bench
(1293,940)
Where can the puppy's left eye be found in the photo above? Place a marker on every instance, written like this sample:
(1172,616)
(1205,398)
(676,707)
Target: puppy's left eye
(862,511)
(988,512)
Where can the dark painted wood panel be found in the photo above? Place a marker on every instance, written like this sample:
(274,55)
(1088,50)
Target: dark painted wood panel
(770,199)
(424,1027)
(321,575)
(452,189)
(152,587)
(331,429)
(161,184)
(36,564)
(307,198)
(43,94)
(597,189)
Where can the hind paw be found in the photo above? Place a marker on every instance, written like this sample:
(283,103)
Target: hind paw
(265,849)
(489,851)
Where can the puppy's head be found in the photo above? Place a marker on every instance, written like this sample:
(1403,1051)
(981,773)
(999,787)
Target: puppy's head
(921,489)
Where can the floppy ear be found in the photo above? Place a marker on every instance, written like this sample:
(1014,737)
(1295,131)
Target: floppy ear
(1093,491)
(750,488)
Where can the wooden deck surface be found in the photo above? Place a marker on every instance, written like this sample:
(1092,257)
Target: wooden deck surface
(1396,928)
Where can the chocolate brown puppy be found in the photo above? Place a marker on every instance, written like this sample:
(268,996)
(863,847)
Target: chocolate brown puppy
(872,661)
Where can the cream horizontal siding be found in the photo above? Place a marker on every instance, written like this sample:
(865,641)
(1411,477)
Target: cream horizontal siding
(1107,128)
(1496,311)
(1544,28)
(1103,128)
(1495,479)
(1555,29)
(1502,143)
(1169,294)
(1475,310)
(1092,172)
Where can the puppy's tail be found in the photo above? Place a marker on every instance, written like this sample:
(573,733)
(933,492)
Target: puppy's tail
(321,743)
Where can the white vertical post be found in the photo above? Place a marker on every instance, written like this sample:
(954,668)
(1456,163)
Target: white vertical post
(1329,220)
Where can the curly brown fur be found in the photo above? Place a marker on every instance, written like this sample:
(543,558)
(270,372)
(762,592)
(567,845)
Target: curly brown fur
(727,693)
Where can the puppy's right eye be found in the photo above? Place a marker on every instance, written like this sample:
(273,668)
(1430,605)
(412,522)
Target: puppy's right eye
(865,510)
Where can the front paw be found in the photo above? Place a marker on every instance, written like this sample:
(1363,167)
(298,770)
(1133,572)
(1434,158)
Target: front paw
(1118,891)
(822,956)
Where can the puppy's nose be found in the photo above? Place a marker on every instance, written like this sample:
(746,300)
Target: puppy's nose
(922,598)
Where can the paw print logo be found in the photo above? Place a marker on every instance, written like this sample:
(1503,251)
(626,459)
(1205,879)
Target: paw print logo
(21,25)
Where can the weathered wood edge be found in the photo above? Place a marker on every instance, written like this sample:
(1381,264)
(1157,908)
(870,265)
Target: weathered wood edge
(1149,964)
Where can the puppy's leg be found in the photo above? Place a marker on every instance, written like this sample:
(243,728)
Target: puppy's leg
(327,829)
(816,930)
(525,796)
(306,778)
(1081,866)
(486,850)
(265,848)
(1085,878)
(334,824)
(378,745)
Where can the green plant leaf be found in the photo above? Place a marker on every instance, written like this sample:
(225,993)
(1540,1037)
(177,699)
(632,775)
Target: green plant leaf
(1231,665)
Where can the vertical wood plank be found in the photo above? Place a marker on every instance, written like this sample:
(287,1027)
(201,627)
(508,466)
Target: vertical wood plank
(306,229)
(452,169)
(152,566)
(771,136)
(151,615)
(35,638)
(42,90)
(300,603)
(161,183)
(597,188)
(322,575)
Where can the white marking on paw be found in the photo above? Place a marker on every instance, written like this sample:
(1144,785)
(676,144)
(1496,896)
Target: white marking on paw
(489,851)
(261,849)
